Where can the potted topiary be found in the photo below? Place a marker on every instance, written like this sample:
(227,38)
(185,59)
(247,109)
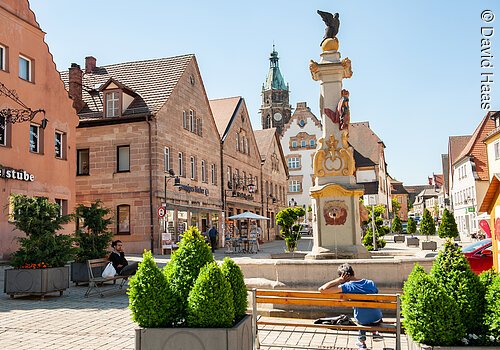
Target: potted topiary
(380,229)
(92,238)
(39,263)
(448,227)
(411,229)
(193,303)
(427,227)
(287,219)
(397,227)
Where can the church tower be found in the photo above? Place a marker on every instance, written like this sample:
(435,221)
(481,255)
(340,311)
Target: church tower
(275,109)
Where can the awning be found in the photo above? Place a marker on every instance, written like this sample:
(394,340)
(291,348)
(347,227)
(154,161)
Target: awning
(489,197)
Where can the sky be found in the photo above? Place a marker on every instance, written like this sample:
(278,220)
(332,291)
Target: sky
(417,64)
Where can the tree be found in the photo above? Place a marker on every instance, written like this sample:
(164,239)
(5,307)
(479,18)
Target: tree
(448,227)
(287,219)
(395,206)
(412,226)
(396,224)
(380,229)
(427,226)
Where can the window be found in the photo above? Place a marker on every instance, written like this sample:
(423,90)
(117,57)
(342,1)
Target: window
(294,163)
(496,147)
(4,132)
(213,174)
(193,168)
(229,177)
(191,121)
(200,126)
(184,120)
(59,144)
(244,178)
(82,162)
(303,143)
(294,186)
(166,159)
(112,104)
(180,163)
(312,143)
(294,144)
(3,63)
(123,219)
(123,157)
(237,142)
(25,68)
(247,150)
(242,144)
(203,171)
(35,138)
(63,206)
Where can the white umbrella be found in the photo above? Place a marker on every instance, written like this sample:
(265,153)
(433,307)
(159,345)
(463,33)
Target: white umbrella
(248,216)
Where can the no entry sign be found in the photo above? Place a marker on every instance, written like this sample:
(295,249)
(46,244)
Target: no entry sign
(162,212)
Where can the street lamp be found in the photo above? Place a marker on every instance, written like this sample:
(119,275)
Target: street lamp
(170,176)
(24,114)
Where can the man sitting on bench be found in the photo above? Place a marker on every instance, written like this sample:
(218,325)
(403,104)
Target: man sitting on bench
(346,283)
(120,263)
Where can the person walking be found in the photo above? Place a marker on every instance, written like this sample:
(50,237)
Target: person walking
(212,234)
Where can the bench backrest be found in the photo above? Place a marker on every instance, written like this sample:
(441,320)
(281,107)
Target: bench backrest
(96,263)
(313,298)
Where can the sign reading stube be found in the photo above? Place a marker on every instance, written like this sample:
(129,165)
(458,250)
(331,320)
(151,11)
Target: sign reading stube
(16,174)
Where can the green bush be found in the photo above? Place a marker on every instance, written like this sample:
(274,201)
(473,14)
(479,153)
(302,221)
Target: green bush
(210,302)
(40,219)
(431,316)
(150,299)
(411,227)
(487,277)
(452,272)
(396,224)
(93,238)
(185,265)
(492,308)
(287,218)
(448,227)
(234,276)
(427,226)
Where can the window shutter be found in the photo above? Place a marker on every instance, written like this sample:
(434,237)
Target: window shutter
(200,127)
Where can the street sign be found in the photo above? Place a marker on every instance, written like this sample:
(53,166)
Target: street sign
(471,209)
(162,212)
(370,199)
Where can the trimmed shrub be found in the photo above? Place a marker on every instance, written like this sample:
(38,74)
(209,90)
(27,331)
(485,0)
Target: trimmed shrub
(210,302)
(185,265)
(427,226)
(452,272)
(396,224)
(234,276)
(431,316)
(487,277)
(412,226)
(150,299)
(448,227)
(492,308)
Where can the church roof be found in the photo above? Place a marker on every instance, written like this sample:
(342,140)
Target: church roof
(274,79)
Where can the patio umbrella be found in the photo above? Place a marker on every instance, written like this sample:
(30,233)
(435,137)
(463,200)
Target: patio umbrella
(247,216)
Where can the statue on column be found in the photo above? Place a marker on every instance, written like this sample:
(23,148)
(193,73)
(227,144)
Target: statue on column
(332,25)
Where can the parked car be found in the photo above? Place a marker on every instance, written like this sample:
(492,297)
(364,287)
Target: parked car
(479,255)
(305,229)
(404,227)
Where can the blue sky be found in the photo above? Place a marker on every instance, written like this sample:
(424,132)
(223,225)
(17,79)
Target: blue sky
(416,64)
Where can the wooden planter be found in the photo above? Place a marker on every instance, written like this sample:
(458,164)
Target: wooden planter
(417,346)
(399,238)
(36,282)
(414,241)
(238,337)
(429,245)
(80,272)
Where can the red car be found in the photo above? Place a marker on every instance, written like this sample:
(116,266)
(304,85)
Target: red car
(479,255)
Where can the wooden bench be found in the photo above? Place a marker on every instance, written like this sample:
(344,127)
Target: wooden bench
(96,283)
(331,300)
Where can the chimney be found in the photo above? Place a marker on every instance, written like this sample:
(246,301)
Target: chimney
(90,64)
(75,86)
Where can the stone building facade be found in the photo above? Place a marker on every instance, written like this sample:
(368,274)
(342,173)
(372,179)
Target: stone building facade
(37,156)
(148,147)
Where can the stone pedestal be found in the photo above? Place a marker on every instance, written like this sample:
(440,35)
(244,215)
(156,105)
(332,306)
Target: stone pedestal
(335,194)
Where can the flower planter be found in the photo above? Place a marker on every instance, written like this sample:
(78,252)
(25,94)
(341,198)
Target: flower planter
(414,241)
(399,238)
(429,245)
(238,337)
(412,345)
(36,282)
(80,272)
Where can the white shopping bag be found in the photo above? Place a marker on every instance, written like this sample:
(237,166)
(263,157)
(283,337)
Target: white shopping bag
(109,271)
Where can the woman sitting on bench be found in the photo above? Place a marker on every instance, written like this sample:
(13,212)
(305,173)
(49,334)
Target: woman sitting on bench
(346,283)
(121,265)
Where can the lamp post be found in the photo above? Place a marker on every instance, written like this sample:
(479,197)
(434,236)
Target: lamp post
(24,114)
(273,200)
(470,200)
(177,183)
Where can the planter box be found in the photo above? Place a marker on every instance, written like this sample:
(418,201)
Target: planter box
(80,272)
(399,238)
(239,337)
(417,346)
(36,282)
(412,241)
(429,245)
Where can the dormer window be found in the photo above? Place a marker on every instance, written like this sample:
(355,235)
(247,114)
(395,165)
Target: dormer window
(112,104)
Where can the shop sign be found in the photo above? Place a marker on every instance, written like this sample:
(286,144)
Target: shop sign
(195,189)
(16,174)
(243,195)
